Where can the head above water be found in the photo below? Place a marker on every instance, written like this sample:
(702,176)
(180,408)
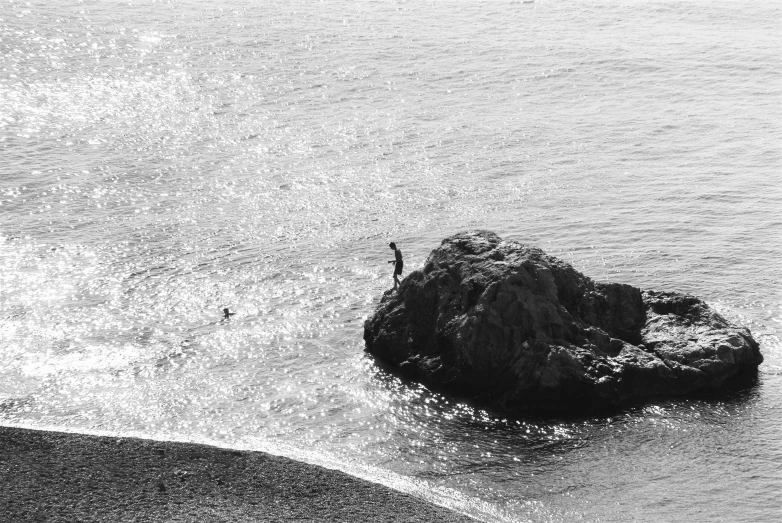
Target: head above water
(392,245)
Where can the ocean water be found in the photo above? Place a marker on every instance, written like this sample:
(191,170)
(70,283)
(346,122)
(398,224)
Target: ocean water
(161,160)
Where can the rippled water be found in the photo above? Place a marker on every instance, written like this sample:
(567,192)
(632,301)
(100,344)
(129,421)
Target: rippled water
(162,160)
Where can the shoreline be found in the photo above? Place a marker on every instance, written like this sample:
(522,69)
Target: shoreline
(62,476)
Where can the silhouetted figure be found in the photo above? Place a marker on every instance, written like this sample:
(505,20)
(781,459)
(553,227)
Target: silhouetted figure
(398,264)
(227,314)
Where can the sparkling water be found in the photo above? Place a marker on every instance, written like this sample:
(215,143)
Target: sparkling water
(163,160)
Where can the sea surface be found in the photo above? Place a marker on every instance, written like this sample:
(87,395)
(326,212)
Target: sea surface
(162,160)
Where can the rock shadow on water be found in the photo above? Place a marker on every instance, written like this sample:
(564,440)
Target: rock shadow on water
(508,328)
(448,421)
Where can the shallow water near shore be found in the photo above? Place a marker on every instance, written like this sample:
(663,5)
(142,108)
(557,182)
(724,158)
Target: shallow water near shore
(163,160)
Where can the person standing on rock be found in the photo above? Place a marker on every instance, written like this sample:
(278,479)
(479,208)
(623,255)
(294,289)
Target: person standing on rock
(398,263)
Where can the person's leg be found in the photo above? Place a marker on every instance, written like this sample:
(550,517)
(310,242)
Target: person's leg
(396,280)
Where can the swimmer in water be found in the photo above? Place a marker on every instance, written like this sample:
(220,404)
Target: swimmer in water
(227,314)
(398,264)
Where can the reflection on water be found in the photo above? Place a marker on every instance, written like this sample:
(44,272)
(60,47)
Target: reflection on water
(162,163)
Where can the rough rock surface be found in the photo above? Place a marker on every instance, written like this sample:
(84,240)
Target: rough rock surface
(515,330)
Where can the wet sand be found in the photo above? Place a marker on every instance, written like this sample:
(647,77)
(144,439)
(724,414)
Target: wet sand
(54,476)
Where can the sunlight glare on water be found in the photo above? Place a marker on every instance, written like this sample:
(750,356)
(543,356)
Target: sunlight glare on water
(165,160)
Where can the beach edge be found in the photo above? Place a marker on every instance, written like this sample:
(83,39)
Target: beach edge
(62,476)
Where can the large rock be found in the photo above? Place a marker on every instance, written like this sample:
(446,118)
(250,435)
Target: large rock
(513,329)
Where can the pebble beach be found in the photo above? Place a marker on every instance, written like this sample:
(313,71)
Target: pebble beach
(56,476)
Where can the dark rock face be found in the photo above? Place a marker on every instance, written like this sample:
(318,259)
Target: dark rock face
(517,330)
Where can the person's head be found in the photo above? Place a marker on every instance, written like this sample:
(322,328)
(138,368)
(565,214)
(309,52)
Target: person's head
(392,245)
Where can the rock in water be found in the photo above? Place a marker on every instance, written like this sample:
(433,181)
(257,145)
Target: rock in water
(513,329)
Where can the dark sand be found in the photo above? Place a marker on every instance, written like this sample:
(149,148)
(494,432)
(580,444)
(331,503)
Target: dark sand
(53,476)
